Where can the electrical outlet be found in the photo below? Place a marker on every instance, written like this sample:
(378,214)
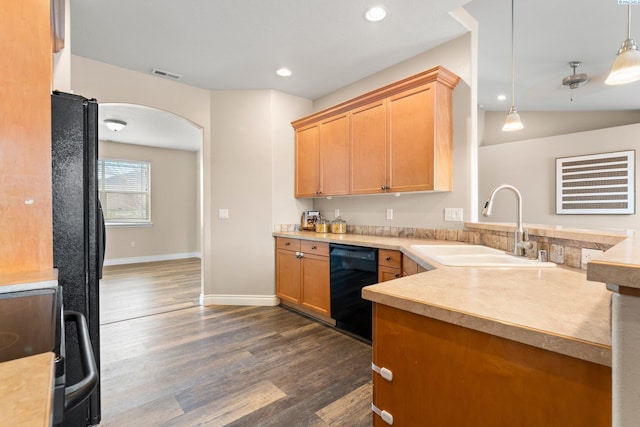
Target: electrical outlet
(133,243)
(589,254)
(223,213)
(389,213)
(336,213)
(453,214)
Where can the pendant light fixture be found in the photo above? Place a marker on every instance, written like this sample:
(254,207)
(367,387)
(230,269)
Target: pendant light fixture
(626,67)
(513,118)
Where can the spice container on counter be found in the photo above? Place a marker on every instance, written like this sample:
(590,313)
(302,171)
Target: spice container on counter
(339,226)
(322,226)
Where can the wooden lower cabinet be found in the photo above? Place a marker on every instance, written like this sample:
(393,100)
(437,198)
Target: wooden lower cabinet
(302,274)
(447,375)
(315,291)
(389,265)
(410,267)
(288,267)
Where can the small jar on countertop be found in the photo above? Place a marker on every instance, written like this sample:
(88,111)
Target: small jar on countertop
(339,226)
(322,226)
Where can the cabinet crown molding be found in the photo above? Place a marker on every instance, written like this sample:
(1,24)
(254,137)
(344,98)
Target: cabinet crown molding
(437,74)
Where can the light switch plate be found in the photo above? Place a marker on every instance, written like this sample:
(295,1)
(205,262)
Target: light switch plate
(223,213)
(336,213)
(453,214)
(389,213)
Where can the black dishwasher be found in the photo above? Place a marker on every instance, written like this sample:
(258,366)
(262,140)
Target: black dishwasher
(352,268)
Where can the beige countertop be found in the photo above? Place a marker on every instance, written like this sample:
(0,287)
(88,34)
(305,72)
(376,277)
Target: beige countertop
(619,266)
(14,282)
(552,308)
(26,391)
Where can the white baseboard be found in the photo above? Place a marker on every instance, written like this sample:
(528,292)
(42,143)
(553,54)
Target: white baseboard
(261,300)
(151,258)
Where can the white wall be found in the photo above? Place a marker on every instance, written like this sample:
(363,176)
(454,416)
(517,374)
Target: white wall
(422,209)
(174,206)
(285,108)
(530,166)
(252,176)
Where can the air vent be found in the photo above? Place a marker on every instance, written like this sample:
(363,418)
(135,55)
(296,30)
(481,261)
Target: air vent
(166,74)
(596,184)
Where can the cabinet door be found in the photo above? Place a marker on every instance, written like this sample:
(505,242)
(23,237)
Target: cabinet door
(315,283)
(411,140)
(308,162)
(409,266)
(288,276)
(334,156)
(369,149)
(438,366)
(388,273)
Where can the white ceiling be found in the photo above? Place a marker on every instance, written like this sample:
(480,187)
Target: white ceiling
(224,44)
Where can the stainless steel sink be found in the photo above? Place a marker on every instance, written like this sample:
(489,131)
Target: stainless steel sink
(475,256)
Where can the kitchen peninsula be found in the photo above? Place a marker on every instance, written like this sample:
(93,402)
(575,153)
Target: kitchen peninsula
(509,342)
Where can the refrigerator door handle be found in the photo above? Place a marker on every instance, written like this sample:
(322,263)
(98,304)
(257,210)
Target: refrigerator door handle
(103,239)
(77,393)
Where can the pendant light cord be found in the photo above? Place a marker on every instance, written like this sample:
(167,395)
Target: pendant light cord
(628,21)
(513,68)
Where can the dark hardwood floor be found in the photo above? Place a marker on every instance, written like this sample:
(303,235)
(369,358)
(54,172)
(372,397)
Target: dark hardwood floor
(168,362)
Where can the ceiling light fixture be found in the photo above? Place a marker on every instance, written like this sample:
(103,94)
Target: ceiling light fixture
(574,80)
(115,125)
(375,14)
(502,97)
(626,67)
(283,72)
(513,118)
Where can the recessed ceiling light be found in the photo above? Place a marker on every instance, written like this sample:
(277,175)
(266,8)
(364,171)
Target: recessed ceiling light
(375,14)
(502,97)
(283,72)
(115,125)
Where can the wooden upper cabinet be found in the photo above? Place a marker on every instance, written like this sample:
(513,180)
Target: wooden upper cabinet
(369,148)
(308,161)
(411,138)
(398,138)
(334,156)
(322,158)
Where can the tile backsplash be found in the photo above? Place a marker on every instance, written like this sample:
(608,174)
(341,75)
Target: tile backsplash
(563,247)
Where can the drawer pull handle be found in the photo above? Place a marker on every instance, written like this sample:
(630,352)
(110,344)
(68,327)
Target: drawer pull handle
(388,258)
(397,275)
(386,417)
(314,248)
(287,243)
(384,372)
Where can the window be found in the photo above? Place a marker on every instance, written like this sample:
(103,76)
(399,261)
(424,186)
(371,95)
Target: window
(124,189)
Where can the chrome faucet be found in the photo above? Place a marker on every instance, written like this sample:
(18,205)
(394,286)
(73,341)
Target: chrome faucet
(521,236)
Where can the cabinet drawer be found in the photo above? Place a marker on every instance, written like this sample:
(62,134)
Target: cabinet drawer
(310,247)
(390,258)
(288,244)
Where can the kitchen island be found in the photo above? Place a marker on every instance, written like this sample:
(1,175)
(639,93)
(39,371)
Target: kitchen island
(515,346)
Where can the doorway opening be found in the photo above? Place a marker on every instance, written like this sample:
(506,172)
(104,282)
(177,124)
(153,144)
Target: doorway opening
(152,265)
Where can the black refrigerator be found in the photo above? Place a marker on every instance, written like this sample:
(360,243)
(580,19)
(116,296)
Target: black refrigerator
(78,233)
